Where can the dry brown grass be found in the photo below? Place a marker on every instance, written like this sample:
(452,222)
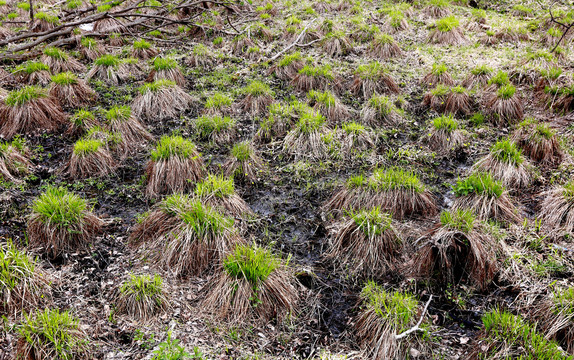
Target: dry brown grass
(489,207)
(356,138)
(452,37)
(41,113)
(381,83)
(99,163)
(329,106)
(244,163)
(434,78)
(380,110)
(167,101)
(458,102)
(442,140)
(109,25)
(133,134)
(336,44)
(174,75)
(540,143)
(58,65)
(384,47)
(144,53)
(437,12)
(436,98)
(504,111)
(556,317)
(365,244)
(557,208)
(40,77)
(451,255)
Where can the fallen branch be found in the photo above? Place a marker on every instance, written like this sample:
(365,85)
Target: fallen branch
(416,327)
(294,42)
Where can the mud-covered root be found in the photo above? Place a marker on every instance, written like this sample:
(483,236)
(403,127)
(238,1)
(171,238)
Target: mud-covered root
(219,192)
(62,222)
(506,163)
(185,237)
(90,158)
(22,286)
(14,161)
(244,163)
(384,315)
(175,166)
(29,109)
(485,197)
(254,285)
(397,191)
(366,243)
(457,250)
(142,297)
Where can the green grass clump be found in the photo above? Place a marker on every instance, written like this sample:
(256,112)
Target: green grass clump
(563,301)
(218,186)
(169,146)
(382,104)
(370,71)
(447,24)
(318,71)
(506,151)
(372,222)
(52,19)
(258,88)
(156,85)
(82,117)
(356,181)
(143,287)
(16,267)
(568,190)
(554,32)
(89,43)
(544,131)
(54,334)
(65,78)
(85,147)
(218,100)
(55,53)
(326,98)
(383,39)
(25,95)
(354,128)
(395,179)
(253,263)
(290,58)
(164,63)
(310,122)
(461,220)
(481,70)
(480,184)
(73,4)
(397,308)
(32,67)
(440,90)
(439,69)
(500,79)
(120,113)
(23,5)
(141,44)
(207,125)
(108,60)
(60,207)
(200,50)
(242,151)
(203,220)
(446,123)
(505,334)
(506,92)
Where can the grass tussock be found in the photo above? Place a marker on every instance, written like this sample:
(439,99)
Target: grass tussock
(62,222)
(161,99)
(355,138)
(556,314)
(201,56)
(504,106)
(142,296)
(436,98)
(244,163)
(33,73)
(505,335)
(175,166)
(21,284)
(373,79)
(444,134)
(29,109)
(60,61)
(219,192)
(557,212)
(121,120)
(438,75)
(254,285)
(184,236)
(458,102)
(110,68)
(216,128)
(478,77)
(336,44)
(313,77)
(457,250)
(447,31)
(165,68)
(539,142)
(506,163)
(379,110)
(398,191)
(218,104)
(258,96)
(383,315)
(485,197)
(14,161)
(383,47)
(91,158)
(288,67)
(143,50)
(71,91)
(329,106)
(366,242)
(305,140)
(90,48)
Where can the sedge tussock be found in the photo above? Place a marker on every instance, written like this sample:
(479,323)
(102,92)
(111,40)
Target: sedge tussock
(506,163)
(90,158)
(71,91)
(142,296)
(219,192)
(59,61)
(14,161)
(244,163)
(539,142)
(161,99)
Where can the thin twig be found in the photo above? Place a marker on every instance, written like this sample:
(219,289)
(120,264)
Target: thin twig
(416,327)
(294,42)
